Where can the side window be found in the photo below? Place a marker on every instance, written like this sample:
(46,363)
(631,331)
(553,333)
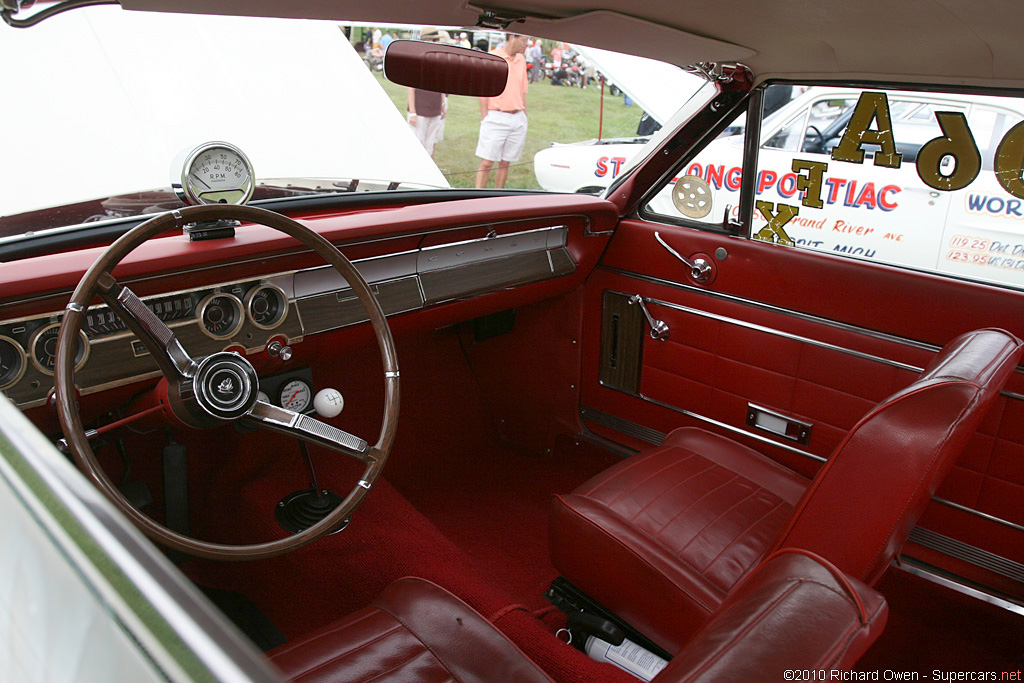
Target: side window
(929,181)
(707,187)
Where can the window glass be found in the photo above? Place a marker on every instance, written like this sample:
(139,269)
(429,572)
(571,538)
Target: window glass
(930,181)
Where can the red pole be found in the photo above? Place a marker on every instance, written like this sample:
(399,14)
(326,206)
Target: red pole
(600,118)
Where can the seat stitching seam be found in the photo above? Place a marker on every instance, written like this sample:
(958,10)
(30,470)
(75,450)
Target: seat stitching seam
(853,633)
(664,493)
(754,492)
(632,552)
(436,656)
(635,462)
(401,664)
(347,653)
(340,627)
(744,631)
(736,539)
(650,476)
(694,502)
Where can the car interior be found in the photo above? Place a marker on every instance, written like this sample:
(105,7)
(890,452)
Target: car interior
(479,435)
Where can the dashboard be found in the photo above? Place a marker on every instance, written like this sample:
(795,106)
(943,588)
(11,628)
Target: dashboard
(452,263)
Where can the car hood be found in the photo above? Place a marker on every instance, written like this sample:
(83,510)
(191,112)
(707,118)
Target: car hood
(658,88)
(126,92)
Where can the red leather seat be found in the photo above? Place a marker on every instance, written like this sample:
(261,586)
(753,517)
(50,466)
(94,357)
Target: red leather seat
(794,612)
(414,631)
(663,537)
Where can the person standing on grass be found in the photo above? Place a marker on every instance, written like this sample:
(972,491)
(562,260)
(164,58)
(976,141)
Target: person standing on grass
(426,108)
(503,118)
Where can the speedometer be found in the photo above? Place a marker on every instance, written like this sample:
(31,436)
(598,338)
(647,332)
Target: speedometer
(214,173)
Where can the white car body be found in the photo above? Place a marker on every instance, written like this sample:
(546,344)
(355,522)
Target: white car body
(590,165)
(169,114)
(872,212)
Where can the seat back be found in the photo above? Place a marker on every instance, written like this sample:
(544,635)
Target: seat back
(795,611)
(863,503)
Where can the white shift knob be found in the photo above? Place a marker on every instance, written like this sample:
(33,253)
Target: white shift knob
(328,402)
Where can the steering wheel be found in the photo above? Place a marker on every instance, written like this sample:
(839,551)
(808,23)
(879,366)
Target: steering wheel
(222,387)
(813,139)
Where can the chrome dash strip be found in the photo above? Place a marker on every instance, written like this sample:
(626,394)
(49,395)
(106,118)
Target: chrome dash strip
(787,335)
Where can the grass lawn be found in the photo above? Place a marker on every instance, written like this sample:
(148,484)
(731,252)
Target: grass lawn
(556,114)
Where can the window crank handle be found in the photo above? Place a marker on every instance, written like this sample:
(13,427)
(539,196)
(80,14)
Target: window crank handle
(700,270)
(659,328)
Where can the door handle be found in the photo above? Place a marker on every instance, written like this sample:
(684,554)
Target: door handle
(700,270)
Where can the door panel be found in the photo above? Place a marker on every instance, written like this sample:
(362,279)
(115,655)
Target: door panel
(812,337)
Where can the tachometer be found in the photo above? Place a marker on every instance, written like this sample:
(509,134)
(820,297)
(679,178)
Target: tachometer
(213,173)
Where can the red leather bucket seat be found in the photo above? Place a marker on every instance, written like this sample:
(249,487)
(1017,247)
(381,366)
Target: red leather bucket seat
(664,537)
(795,612)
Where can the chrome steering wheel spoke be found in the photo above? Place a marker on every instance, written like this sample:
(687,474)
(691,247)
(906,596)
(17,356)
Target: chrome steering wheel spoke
(308,428)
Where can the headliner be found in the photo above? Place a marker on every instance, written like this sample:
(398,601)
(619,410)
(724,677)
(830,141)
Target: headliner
(940,41)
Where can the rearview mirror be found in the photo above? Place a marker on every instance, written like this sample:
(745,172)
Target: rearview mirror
(445,68)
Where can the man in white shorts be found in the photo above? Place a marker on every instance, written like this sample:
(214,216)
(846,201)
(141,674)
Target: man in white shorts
(426,109)
(503,118)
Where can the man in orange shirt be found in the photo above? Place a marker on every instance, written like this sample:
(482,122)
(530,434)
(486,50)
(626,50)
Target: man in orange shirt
(503,118)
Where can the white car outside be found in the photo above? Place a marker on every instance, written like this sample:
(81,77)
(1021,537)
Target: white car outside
(590,165)
(882,214)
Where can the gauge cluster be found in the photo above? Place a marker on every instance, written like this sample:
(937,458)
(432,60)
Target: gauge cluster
(284,307)
(246,314)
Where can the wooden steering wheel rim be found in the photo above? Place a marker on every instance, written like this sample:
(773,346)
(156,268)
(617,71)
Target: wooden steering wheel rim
(67,402)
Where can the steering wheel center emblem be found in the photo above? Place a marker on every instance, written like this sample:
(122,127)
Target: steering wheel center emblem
(226,385)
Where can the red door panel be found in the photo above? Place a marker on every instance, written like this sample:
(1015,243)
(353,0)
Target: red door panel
(816,338)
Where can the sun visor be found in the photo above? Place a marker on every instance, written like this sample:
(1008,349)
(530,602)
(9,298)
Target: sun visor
(621,33)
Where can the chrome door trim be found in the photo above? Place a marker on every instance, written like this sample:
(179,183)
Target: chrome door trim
(977,513)
(1002,603)
(786,335)
(775,309)
(846,327)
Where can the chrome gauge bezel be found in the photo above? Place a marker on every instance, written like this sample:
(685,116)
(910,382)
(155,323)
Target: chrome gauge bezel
(83,340)
(239,314)
(185,186)
(23,359)
(282,314)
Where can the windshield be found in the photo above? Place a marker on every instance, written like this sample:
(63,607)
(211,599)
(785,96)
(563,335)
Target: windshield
(119,101)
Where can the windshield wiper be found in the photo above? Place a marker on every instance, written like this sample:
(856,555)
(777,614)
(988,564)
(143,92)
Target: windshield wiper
(8,12)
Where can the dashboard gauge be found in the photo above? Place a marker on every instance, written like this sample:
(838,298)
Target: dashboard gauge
(221,315)
(12,362)
(213,173)
(266,306)
(44,348)
(296,395)
(262,396)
